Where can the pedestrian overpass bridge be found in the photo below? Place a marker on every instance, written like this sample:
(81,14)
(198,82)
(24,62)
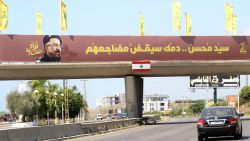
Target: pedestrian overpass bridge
(29,71)
(133,81)
(112,56)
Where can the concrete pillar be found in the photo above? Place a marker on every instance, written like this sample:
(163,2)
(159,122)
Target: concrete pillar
(134,96)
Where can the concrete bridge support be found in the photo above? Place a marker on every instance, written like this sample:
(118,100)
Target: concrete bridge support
(134,96)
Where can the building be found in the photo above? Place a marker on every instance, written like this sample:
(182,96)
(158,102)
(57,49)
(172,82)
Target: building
(116,103)
(151,103)
(156,102)
(111,100)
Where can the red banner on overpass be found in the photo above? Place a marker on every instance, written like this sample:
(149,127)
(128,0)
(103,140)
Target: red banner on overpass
(29,48)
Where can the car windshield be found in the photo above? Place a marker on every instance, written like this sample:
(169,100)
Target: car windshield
(210,112)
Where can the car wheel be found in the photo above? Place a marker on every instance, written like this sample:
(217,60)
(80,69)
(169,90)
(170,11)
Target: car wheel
(241,133)
(237,136)
(201,138)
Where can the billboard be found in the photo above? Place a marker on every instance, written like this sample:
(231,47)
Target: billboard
(231,100)
(29,48)
(215,81)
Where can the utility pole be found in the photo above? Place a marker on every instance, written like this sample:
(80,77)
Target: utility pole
(84,97)
(84,89)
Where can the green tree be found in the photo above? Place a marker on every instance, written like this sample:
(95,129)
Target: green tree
(45,96)
(49,99)
(13,98)
(245,95)
(75,102)
(197,107)
(21,104)
(26,106)
(41,97)
(38,90)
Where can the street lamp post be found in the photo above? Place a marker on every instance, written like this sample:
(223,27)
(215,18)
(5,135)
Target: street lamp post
(47,102)
(36,93)
(62,109)
(55,94)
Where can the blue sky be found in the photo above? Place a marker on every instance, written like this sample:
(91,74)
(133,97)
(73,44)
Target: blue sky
(120,17)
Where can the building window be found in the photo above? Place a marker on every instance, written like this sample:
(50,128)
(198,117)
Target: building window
(162,109)
(162,104)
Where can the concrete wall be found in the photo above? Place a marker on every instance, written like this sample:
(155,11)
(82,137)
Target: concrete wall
(59,132)
(40,133)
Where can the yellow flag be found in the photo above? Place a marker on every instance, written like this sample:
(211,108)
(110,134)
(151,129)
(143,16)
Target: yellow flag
(141,25)
(39,23)
(177,16)
(229,16)
(64,25)
(188,25)
(3,16)
(234,24)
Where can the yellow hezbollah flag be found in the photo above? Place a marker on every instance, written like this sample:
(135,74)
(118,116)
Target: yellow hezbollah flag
(3,15)
(64,25)
(234,24)
(188,25)
(229,15)
(141,25)
(39,23)
(177,16)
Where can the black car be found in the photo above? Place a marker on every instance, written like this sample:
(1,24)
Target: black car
(219,121)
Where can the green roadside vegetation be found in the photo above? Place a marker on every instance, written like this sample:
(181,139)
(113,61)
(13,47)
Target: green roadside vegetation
(44,98)
(193,108)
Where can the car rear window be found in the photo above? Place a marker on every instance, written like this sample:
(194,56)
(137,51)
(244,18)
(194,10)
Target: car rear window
(217,112)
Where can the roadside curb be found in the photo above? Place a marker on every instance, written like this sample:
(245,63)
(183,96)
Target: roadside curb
(246,118)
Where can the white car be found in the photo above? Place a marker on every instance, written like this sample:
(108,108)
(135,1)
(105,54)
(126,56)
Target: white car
(99,117)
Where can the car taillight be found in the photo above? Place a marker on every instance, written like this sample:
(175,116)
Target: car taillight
(201,122)
(232,120)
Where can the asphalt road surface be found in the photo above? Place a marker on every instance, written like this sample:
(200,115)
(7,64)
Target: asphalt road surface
(173,130)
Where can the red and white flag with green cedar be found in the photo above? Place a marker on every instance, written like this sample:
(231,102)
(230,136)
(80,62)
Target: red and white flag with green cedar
(141,66)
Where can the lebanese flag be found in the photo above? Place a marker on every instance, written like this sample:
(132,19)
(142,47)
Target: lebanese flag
(141,66)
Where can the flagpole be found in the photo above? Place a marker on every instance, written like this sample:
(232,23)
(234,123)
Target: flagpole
(173,31)
(173,10)
(227,32)
(65,82)
(140,23)
(186,22)
(60,16)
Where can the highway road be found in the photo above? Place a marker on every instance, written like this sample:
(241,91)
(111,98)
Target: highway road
(172,130)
